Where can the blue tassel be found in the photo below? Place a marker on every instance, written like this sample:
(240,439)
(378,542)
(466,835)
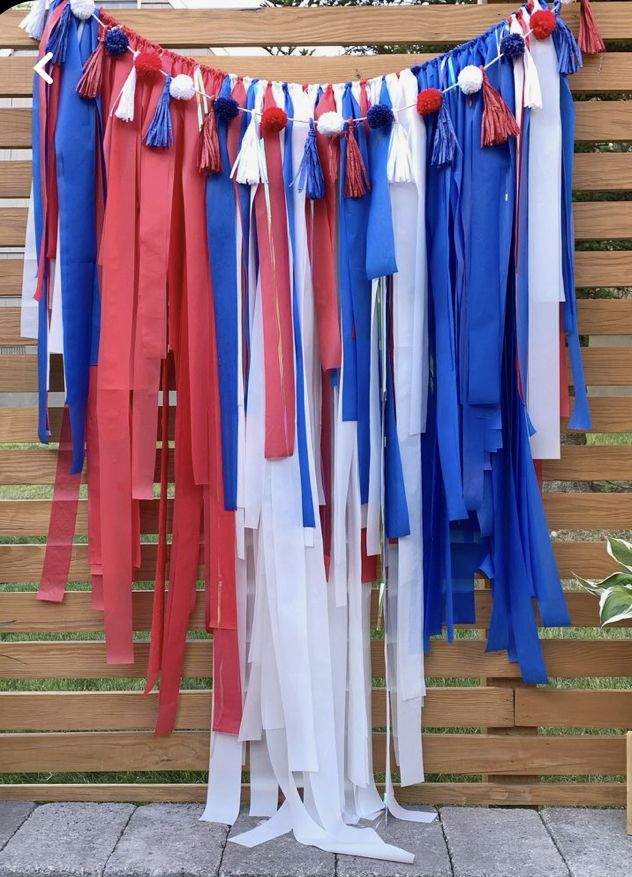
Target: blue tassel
(310,173)
(569,56)
(160,132)
(58,39)
(445,142)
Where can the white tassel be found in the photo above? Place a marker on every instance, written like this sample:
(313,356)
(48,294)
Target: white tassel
(125,106)
(399,162)
(532,91)
(33,21)
(250,164)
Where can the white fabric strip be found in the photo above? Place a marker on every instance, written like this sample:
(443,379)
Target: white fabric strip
(546,289)
(29,307)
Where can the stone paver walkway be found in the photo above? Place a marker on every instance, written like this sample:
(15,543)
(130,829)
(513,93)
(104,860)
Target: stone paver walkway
(167,840)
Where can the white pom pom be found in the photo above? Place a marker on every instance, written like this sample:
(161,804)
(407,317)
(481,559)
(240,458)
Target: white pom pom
(33,21)
(470,79)
(182,87)
(82,9)
(330,124)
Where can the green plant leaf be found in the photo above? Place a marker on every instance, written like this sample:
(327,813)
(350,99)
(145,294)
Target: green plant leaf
(615,604)
(621,551)
(593,587)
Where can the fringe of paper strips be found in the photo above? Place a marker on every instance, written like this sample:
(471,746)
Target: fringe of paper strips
(361,296)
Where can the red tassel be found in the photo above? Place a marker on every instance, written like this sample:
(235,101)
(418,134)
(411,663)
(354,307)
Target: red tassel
(498,122)
(590,40)
(89,86)
(210,157)
(356,179)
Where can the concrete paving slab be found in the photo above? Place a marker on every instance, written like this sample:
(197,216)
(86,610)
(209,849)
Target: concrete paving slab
(500,843)
(168,840)
(593,842)
(282,857)
(65,840)
(426,841)
(12,815)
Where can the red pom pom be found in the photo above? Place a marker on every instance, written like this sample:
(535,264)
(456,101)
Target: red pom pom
(429,101)
(273,120)
(542,23)
(148,66)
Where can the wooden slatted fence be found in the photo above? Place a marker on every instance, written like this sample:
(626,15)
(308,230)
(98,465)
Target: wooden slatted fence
(488,739)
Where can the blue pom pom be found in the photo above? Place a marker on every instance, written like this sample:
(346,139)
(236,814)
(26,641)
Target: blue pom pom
(380,116)
(512,45)
(116,42)
(226,108)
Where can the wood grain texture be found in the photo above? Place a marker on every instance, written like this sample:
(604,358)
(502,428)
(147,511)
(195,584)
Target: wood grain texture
(569,511)
(75,614)
(606,268)
(569,658)
(524,794)
(573,708)
(611,72)
(596,317)
(578,463)
(188,750)
(134,711)
(325,26)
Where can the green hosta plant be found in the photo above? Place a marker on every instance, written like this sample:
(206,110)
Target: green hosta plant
(615,591)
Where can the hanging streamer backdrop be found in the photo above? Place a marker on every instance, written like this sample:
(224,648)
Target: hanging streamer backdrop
(362,297)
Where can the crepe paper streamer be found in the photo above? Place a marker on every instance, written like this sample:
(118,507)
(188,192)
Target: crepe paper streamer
(89,86)
(82,9)
(330,124)
(444,143)
(569,56)
(356,178)
(429,101)
(590,39)
(182,87)
(470,79)
(380,116)
(160,131)
(116,41)
(33,21)
(59,37)
(273,120)
(399,161)
(512,45)
(127,98)
(498,122)
(250,167)
(542,23)
(226,108)
(210,161)
(148,66)
(310,172)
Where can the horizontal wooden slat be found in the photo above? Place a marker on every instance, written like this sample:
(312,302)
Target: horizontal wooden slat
(603,268)
(597,171)
(596,317)
(605,317)
(134,711)
(573,708)
(23,563)
(587,463)
(75,614)
(188,750)
(595,121)
(607,365)
(531,794)
(607,73)
(603,219)
(588,511)
(86,660)
(578,463)
(10,276)
(330,26)
(12,226)
(18,372)
(609,414)
(569,511)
